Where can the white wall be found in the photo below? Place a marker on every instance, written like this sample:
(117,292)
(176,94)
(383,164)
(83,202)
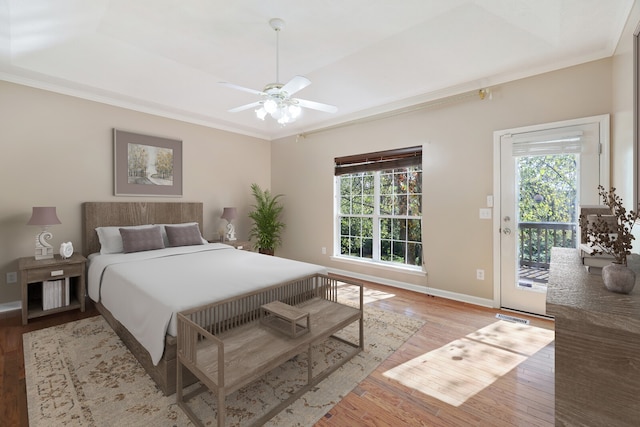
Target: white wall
(57,150)
(457,143)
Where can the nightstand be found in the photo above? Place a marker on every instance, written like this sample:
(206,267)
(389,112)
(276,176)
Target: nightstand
(245,245)
(51,285)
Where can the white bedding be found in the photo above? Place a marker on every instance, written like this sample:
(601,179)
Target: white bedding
(144,290)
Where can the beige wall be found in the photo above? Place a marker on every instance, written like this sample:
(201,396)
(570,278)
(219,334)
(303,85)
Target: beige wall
(458,172)
(71,138)
(622,110)
(57,151)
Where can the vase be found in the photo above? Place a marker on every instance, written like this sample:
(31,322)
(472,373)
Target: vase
(618,278)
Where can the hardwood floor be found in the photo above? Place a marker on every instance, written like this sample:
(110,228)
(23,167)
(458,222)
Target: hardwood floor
(523,396)
(13,391)
(435,388)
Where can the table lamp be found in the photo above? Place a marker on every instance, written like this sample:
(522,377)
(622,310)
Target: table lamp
(230,214)
(44,216)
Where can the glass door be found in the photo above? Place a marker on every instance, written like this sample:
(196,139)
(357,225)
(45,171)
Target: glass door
(545,174)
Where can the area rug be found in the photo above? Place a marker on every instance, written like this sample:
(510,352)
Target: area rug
(81,374)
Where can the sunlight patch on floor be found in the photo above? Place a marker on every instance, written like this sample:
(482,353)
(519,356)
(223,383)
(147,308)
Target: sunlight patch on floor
(351,293)
(464,367)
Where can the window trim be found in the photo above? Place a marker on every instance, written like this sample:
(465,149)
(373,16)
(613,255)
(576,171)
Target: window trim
(406,268)
(411,156)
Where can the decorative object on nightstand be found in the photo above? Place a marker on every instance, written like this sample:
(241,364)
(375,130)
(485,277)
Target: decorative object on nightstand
(45,217)
(66,250)
(230,214)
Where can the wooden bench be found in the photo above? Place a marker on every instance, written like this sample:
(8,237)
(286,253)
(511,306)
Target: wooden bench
(229,334)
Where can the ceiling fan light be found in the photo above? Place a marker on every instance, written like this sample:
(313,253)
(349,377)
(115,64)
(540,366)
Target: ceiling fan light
(285,119)
(261,113)
(270,106)
(294,111)
(277,114)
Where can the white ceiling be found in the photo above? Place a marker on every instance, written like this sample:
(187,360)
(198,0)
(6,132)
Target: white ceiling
(166,57)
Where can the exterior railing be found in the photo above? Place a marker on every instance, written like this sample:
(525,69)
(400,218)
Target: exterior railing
(537,239)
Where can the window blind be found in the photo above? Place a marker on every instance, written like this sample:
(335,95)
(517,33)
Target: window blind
(379,160)
(543,143)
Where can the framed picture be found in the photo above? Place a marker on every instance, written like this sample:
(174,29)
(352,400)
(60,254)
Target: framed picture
(146,165)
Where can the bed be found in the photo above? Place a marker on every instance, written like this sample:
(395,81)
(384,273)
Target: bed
(140,292)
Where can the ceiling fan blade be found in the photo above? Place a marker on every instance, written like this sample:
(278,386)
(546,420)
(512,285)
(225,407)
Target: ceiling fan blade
(244,107)
(244,89)
(317,105)
(295,84)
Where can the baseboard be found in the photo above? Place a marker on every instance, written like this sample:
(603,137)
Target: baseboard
(8,309)
(483,302)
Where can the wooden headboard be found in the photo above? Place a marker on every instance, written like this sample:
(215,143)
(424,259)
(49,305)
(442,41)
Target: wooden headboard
(105,214)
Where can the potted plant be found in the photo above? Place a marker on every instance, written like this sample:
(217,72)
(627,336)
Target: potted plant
(267,226)
(611,234)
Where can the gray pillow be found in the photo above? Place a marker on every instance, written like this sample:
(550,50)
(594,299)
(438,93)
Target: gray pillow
(183,235)
(141,239)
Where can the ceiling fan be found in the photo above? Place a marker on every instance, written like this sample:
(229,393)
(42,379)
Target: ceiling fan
(275,98)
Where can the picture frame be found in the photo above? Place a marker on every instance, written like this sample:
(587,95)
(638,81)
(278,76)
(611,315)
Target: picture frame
(146,165)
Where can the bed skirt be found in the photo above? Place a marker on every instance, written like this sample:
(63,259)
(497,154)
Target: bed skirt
(164,373)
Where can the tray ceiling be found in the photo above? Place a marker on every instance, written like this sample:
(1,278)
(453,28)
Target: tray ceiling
(364,56)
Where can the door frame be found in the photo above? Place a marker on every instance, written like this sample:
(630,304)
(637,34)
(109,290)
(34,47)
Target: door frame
(604,126)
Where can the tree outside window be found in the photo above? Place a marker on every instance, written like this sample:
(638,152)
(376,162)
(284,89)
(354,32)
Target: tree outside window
(380,215)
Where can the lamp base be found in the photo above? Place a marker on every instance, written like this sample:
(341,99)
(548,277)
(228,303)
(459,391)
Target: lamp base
(231,233)
(43,249)
(44,253)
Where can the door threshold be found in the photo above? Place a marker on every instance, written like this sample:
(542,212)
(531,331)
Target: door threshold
(512,319)
(540,316)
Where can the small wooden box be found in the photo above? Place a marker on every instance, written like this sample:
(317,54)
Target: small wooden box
(285,318)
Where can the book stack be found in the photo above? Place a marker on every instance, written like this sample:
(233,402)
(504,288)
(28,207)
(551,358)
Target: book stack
(55,293)
(593,213)
(594,263)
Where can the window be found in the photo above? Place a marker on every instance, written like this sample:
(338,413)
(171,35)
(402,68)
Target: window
(379,206)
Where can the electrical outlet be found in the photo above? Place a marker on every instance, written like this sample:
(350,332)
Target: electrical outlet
(480,274)
(12,277)
(485,213)
(324,250)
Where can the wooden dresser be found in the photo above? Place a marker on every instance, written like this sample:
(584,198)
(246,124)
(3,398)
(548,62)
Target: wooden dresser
(597,349)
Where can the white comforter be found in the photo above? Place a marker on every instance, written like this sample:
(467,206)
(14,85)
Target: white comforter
(144,290)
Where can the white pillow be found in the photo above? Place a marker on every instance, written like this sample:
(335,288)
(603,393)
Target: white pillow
(111,240)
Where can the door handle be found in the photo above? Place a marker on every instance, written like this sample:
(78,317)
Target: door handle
(506,230)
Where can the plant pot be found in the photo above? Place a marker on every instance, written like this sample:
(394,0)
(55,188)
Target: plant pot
(618,278)
(266,251)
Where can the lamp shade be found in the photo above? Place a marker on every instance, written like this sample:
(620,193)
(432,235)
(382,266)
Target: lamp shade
(229,213)
(43,216)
